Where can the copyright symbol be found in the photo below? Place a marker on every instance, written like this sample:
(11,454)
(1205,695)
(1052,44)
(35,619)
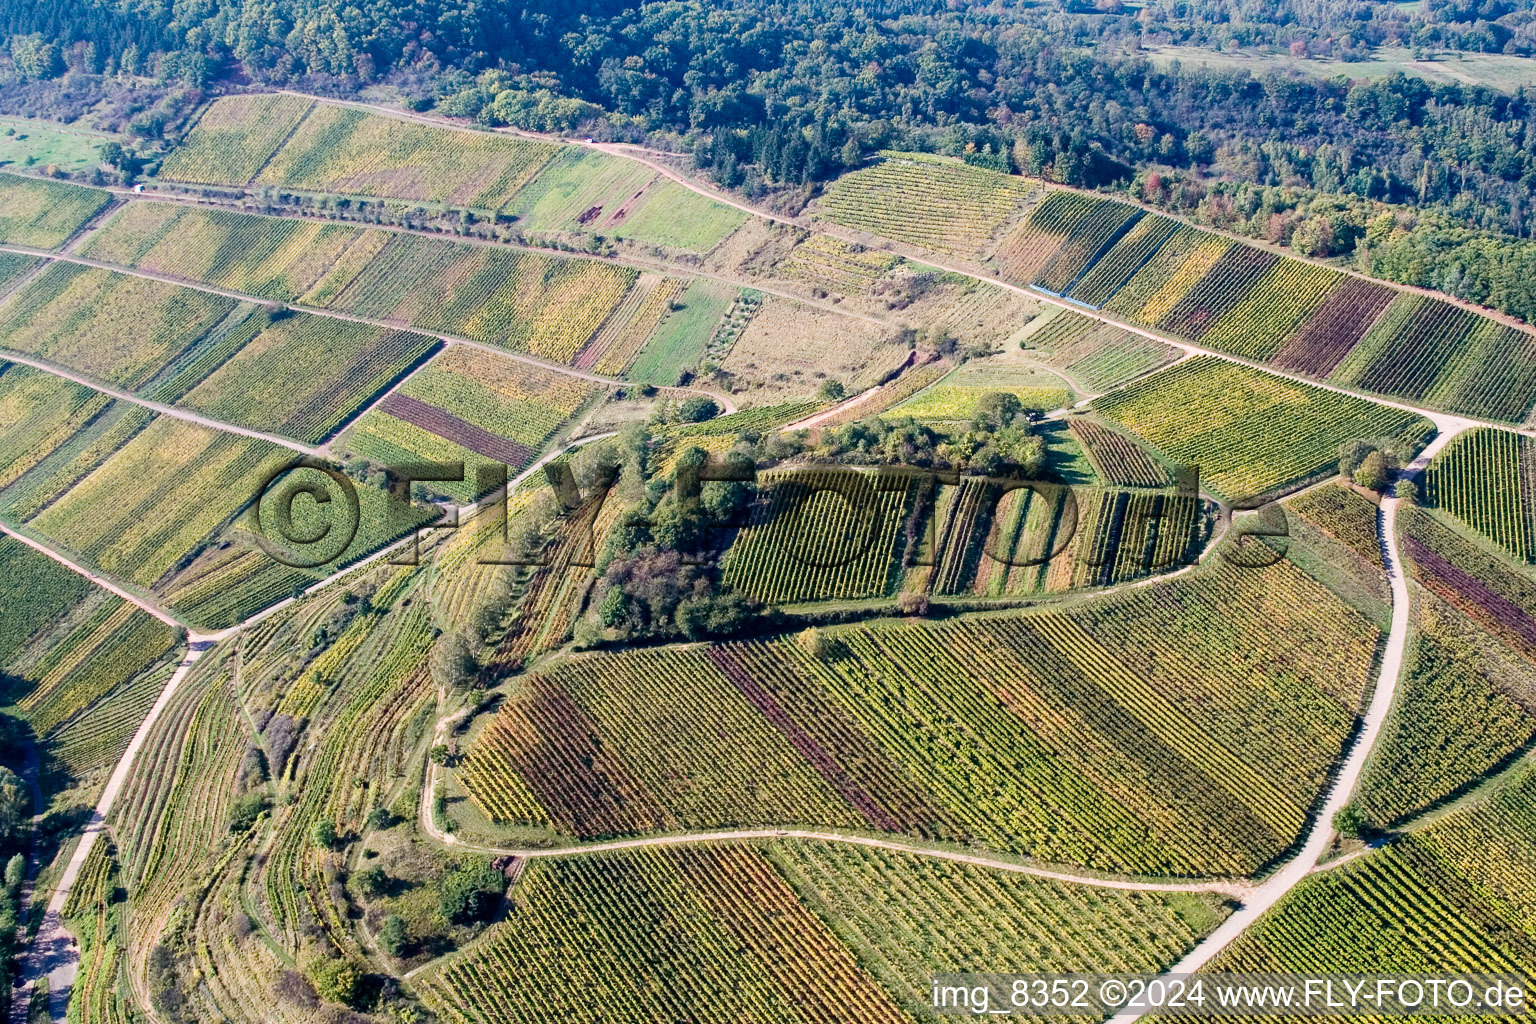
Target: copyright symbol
(1112,993)
(306,513)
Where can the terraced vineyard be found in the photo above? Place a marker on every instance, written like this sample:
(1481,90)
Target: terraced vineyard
(115,328)
(264,375)
(1249,432)
(114,516)
(270,257)
(295,143)
(234,138)
(1066,726)
(546,306)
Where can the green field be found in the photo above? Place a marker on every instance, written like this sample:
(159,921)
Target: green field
(678,218)
(579,190)
(1494,70)
(679,342)
(34,145)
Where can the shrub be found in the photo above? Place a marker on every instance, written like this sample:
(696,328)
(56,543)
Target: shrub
(392,937)
(244,811)
(697,409)
(372,882)
(1372,473)
(472,892)
(337,980)
(324,834)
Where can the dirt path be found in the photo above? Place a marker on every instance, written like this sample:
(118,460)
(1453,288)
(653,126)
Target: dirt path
(160,407)
(54,953)
(96,578)
(723,400)
(1320,836)
(1444,421)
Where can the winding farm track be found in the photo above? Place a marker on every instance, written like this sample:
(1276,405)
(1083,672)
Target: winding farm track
(1320,835)
(53,952)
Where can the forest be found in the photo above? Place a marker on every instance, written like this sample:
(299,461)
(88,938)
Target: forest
(775,98)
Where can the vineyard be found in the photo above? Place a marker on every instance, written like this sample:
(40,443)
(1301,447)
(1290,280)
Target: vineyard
(335,149)
(823,535)
(631,323)
(76,661)
(785,931)
(113,327)
(996,541)
(1249,432)
(270,257)
(1487,479)
(1118,459)
(928,201)
(234,138)
(546,306)
(176,812)
(117,516)
(1448,899)
(1464,707)
(1482,586)
(44,214)
(269,381)
(1249,302)
(954,397)
(1349,518)
(1053,722)
(473,407)
(833,265)
(1098,355)
(38,413)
